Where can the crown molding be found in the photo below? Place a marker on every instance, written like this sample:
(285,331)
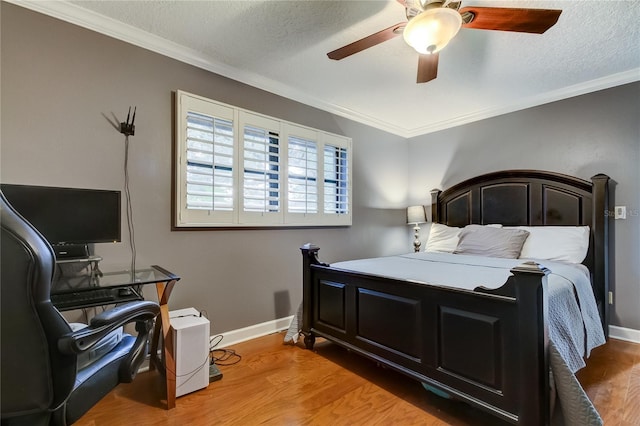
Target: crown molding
(85,18)
(533,101)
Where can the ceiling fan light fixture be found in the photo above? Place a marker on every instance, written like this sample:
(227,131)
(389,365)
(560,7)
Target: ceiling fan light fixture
(432,30)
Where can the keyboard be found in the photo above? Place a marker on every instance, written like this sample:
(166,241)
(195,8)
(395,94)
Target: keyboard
(83,299)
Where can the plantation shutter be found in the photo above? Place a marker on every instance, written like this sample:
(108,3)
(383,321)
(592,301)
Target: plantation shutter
(303,175)
(261,168)
(209,163)
(261,200)
(336,174)
(205,169)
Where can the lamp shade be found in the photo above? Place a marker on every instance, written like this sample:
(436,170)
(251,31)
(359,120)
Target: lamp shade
(432,30)
(416,214)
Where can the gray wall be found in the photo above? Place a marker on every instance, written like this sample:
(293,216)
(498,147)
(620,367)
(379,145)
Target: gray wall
(61,87)
(582,136)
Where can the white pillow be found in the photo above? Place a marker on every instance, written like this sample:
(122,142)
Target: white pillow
(562,243)
(491,241)
(442,238)
(445,239)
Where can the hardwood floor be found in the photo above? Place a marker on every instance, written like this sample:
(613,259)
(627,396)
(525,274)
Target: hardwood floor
(277,384)
(612,381)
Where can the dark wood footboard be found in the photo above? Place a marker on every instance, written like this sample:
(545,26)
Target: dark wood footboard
(486,347)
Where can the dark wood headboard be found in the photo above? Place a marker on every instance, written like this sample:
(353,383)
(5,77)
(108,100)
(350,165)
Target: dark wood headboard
(534,197)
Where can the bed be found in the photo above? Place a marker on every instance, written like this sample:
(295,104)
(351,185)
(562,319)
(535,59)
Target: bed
(493,345)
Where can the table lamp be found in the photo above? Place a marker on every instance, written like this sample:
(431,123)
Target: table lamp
(415,216)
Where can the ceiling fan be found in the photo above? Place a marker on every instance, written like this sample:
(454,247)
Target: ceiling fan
(431,24)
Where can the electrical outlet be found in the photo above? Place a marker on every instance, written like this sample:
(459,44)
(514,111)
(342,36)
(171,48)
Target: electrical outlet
(620,212)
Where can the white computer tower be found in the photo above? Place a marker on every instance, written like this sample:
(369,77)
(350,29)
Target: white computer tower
(190,333)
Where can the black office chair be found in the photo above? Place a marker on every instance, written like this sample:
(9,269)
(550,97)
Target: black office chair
(41,383)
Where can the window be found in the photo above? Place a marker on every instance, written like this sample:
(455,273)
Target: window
(303,176)
(261,198)
(336,180)
(261,166)
(209,163)
(237,168)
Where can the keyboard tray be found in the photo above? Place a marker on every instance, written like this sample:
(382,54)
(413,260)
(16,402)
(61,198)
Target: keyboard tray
(97,297)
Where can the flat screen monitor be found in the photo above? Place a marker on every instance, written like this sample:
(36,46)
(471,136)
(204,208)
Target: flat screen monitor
(68,216)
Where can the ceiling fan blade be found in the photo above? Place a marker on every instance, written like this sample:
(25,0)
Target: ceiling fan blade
(535,21)
(367,42)
(427,67)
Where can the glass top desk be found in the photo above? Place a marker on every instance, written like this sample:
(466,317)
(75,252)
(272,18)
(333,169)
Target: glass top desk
(97,288)
(71,290)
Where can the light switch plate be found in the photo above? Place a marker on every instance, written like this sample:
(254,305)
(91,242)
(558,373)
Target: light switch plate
(620,212)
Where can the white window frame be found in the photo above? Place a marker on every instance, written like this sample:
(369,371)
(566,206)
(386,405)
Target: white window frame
(185,218)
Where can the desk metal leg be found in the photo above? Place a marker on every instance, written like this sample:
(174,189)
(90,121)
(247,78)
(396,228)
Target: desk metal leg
(153,353)
(164,291)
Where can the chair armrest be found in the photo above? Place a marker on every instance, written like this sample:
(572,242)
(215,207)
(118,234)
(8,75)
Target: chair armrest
(105,322)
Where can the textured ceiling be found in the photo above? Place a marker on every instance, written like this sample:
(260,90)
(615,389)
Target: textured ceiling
(281,46)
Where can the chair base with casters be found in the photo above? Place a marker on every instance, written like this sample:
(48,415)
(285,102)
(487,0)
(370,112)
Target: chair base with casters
(41,382)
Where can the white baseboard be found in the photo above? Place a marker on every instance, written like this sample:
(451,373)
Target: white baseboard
(622,333)
(258,330)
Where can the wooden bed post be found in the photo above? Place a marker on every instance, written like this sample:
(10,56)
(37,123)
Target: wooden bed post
(530,281)
(435,214)
(309,257)
(600,232)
